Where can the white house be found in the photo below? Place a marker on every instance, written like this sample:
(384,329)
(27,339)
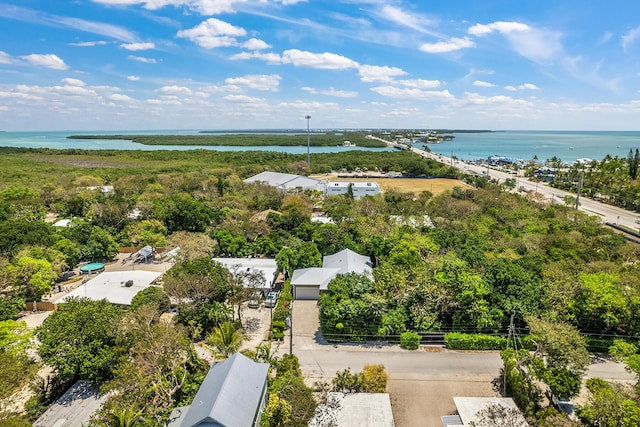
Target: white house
(307,283)
(358,188)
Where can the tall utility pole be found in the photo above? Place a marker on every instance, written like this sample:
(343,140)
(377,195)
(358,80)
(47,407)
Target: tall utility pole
(308,117)
(580,183)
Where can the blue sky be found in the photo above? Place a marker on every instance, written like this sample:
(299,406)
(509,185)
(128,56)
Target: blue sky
(229,64)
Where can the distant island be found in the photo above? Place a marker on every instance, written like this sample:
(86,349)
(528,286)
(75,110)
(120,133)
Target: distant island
(328,139)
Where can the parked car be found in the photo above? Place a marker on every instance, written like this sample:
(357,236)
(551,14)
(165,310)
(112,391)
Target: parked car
(271,300)
(254,303)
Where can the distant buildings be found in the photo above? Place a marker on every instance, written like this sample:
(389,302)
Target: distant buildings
(291,182)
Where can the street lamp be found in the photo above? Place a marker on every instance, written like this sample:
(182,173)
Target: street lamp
(308,117)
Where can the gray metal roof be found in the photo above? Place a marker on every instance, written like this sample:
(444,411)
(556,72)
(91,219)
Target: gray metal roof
(287,181)
(230,394)
(348,261)
(314,276)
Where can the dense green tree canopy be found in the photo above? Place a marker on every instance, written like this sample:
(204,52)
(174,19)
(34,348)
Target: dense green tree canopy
(79,339)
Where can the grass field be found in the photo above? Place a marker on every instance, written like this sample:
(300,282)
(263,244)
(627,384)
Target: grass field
(406,185)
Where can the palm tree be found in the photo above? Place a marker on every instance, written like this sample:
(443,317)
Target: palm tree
(124,418)
(225,339)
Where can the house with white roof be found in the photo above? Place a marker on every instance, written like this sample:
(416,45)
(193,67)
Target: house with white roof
(233,394)
(287,181)
(307,283)
(267,267)
(117,287)
(359,189)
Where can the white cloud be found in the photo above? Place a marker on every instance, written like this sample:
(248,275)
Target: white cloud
(269,58)
(142,59)
(174,90)
(5,58)
(323,61)
(412,93)
(510,88)
(138,46)
(133,78)
(120,97)
(331,92)
(88,44)
(243,99)
(481,83)
(450,45)
(630,37)
(255,44)
(376,73)
(411,20)
(73,82)
(528,86)
(48,61)
(256,81)
(535,44)
(499,26)
(203,7)
(420,83)
(213,33)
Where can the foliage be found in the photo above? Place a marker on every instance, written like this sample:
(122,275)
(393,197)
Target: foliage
(79,339)
(347,382)
(151,295)
(609,405)
(460,341)
(374,379)
(10,307)
(289,386)
(517,382)
(160,371)
(410,340)
(225,339)
(17,368)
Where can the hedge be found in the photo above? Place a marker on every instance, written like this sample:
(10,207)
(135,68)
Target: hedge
(460,341)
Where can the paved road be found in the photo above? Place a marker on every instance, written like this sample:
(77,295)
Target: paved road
(605,212)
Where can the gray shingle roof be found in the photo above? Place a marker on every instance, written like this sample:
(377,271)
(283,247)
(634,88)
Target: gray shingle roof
(314,276)
(348,261)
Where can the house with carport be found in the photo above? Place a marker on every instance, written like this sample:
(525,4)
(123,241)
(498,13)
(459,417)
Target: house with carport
(308,283)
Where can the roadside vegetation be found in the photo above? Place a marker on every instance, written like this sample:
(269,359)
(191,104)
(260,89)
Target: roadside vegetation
(490,255)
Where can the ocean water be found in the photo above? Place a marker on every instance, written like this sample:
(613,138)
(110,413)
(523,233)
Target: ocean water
(567,145)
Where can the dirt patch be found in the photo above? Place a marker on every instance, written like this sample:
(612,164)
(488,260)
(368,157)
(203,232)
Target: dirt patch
(428,400)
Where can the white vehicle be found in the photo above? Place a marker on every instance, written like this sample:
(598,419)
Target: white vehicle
(271,300)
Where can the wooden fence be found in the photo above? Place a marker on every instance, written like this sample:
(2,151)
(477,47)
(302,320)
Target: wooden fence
(41,306)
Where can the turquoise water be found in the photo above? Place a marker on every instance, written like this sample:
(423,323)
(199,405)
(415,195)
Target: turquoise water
(567,145)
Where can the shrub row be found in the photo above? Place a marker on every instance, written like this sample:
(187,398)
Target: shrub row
(460,341)
(281,312)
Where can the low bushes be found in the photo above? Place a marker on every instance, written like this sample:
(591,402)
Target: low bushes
(410,340)
(460,341)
